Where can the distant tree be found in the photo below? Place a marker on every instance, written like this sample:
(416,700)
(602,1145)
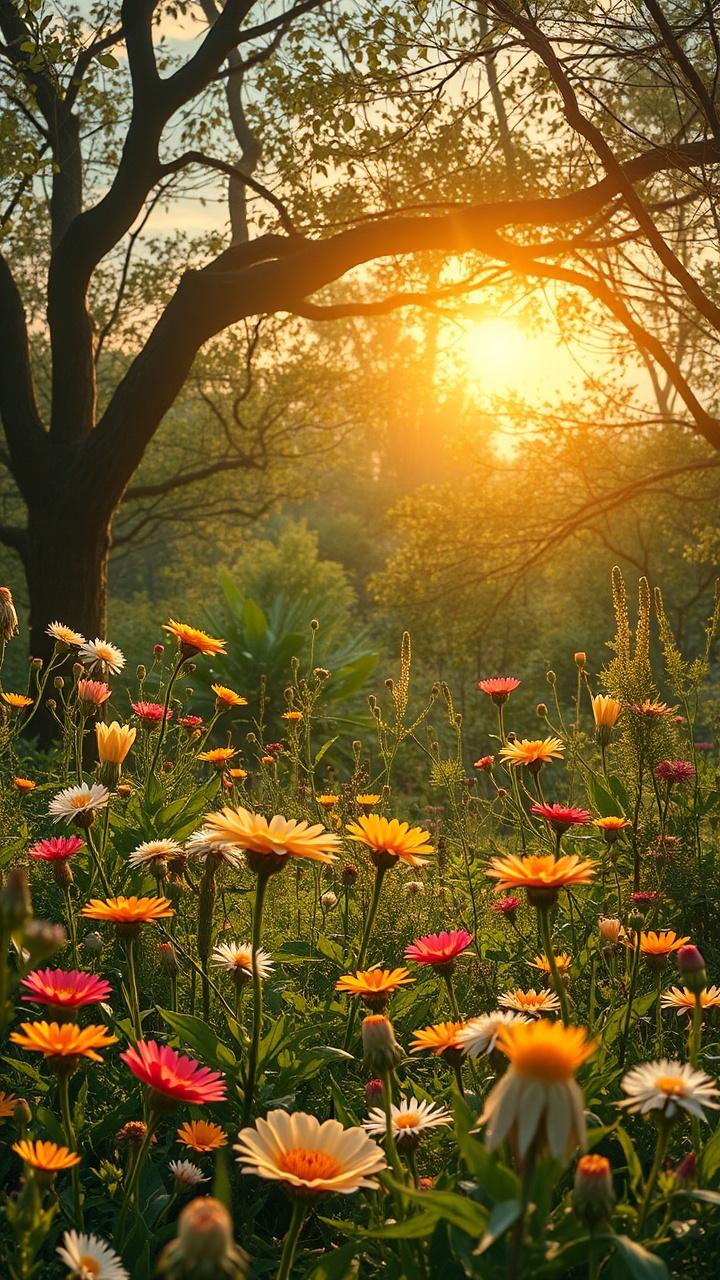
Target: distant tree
(594,169)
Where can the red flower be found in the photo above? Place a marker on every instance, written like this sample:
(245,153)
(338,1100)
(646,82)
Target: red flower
(190,722)
(674,771)
(65,989)
(439,948)
(151,711)
(56,848)
(506,907)
(644,898)
(704,746)
(484,763)
(499,688)
(172,1074)
(562,816)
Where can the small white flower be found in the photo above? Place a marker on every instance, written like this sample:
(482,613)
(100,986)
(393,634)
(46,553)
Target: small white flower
(187,1173)
(234,956)
(479,1035)
(74,801)
(153,851)
(668,1086)
(65,635)
(100,653)
(408,1120)
(414,887)
(329,900)
(202,844)
(89,1258)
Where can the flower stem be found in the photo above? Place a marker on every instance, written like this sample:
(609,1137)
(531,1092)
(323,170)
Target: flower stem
(390,1144)
(132,988)
(631,997)
(134,1178)
(695,1039)
(64,1091)
(364,944)
(300,1208)
(72,927)
(260,892)
(446,973)
(166,707)
(557,982)
(660,1149)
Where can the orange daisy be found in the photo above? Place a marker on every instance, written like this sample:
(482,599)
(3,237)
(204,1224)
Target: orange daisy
(542,875)
(439,1039)
(389,840)
(201,1136)
(47,1156)
(532,753)
(542,963)
(63,1040)
(24,784)
(612,823)
(228,697)
(374,986)
(656,947)
(18,701)
(128,910)
(193,641)
(8,1102)
(218,755)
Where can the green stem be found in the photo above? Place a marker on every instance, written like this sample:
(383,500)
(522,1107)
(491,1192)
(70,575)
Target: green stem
(98,862)
(364,944)
(557,982)
(260,892)
(132,988)
(515,1270)
(660,1149)
(695,1040)
(64,1091)
(390,1144)
(134,1178)
(72,926)
(446,973)
(166,707)
(300,1208)
(631,997)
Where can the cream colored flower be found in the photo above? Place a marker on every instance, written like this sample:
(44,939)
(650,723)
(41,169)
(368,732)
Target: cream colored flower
(65,635)
(478,1037)
(153,852)
(89,1258)
(409,1120)
(669,1087)
(684,1000)
(310,1157)
(74,802)
(236,957)
(532,1001)
(100,653)
(187,1173)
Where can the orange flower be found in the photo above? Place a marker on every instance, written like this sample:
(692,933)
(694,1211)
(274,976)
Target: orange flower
(605,711)
(533,753)
(8,1102)
(611,823)
(18,701)
(440,1039)
(218,755)
(390,840)
(24,784)
(47,1156)
(228,697)
(292,715)
(238,774)
(542,963)
(201,1136)
(542,875)
(268,845)
(656,947)
(128,913)
(374,986)
(63,1040)
(194,641)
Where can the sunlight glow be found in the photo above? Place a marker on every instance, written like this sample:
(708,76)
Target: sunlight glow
(501,356)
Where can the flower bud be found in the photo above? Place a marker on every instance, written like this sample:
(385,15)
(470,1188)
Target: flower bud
(610,929)
(551,678)
(22,1115)
(374,1093)
(168,958)
(328,900)
(593,1196)
(15,904)
(158,649)
(691,967)
(36,662)
(542,710)
(59,682)
(349,875)
(580,659)
(42,939)
(380,1048)
(204,1247)
(141,671)
(92,943)
(685,1170)
(635,920)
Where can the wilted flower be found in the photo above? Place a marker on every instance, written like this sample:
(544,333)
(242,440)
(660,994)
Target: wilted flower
(8,616)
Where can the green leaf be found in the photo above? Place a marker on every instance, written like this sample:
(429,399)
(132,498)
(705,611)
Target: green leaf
(459,1210)
(197,1034)
(496,1180)
(222,1187)
(255,623)
(707,1197)
(415,1227)
(631,1155)
(710,1159)
(638,1262)
(501,1219)
(335,1264)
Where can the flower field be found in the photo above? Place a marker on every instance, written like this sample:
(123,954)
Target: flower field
(379,998)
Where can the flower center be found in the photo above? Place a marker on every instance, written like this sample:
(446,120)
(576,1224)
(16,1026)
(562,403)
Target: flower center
(674,1086)
(89,1266)
(552,1063)
(408,1121)
(309,1165)
(243,959)
(79,802)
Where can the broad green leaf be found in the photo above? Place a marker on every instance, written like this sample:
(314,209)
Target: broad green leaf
(197,1034)
(501,1219)
(638,1263)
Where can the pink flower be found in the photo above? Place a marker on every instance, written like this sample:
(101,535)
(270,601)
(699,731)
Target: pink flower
(506,907)
(93,691)
(65,989)
(499,688)
(439,948)
(56,848)
(190,722)
(484,763)
(173,1075)
(671,771)
(151,711)
(562,816)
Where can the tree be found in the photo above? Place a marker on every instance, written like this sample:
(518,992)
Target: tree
(619,123)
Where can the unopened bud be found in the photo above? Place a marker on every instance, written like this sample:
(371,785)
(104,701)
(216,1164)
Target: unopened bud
(168,958)
(22,1115)
(691,967)
(158,649)
(59,682)
(93,943)
(349,875)
(685,1170)
(541,710)
(36,662)
(328,900)
(551,677)
(380,1048)
(42,939)
(141,671)
(580,659)
(204,1247)
(593,1195)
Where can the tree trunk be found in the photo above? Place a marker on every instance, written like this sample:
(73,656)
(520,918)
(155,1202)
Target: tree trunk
(66,570)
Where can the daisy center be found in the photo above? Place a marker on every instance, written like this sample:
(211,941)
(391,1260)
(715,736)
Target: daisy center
(89,1266)
(552,1063)
(410,1121)
(243,960)
(79,802)
(309,1165)
(672,1085)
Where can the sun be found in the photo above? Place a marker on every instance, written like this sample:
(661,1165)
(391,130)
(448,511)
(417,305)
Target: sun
(502,356)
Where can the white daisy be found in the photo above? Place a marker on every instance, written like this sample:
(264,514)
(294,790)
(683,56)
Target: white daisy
(309,1156)
(408,1120)
(669,1087)
(100,653)
(63,634)
(479,1035)
(73,802)
(151,852)
(187,1173)
(201,845)
(89,1258)
(234,956)
(531,1002)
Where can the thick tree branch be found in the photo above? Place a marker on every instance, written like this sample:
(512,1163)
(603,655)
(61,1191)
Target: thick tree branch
(18,408)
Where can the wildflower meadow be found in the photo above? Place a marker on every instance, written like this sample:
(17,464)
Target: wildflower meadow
(400,1005)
